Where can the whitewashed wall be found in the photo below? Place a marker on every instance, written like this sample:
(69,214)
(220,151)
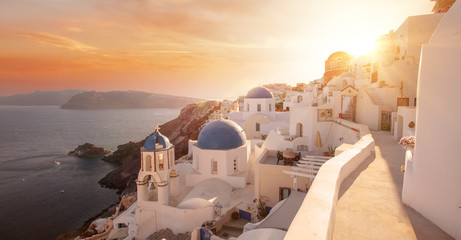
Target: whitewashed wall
(152,216)
(432,178)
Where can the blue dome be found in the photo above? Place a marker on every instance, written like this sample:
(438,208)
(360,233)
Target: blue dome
(154,139)
(259,92)
(221,135)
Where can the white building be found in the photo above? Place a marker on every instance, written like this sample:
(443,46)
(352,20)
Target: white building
(258,116)
(222,152)
(432,177)
(259,100)
(157,160)
(157,181)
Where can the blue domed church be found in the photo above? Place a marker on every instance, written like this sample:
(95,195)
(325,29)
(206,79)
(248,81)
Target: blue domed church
(221,151)
(157,162)
(259,100)
(258,116)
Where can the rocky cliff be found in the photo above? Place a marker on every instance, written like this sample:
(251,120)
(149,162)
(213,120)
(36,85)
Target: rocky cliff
(126,99)
(88,150)
(179,130)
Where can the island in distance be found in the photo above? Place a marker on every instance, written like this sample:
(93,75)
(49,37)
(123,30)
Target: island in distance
(126,99)
(40,98)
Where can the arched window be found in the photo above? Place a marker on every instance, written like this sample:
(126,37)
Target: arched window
(300,98)
(148,163)
(332,64)
(259,107)
(258,127)
(161,162)
(270,107)
(214,166)
(299,129)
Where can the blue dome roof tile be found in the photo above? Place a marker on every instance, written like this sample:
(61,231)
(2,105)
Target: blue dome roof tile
(221,135)
(154,139)
(259,92)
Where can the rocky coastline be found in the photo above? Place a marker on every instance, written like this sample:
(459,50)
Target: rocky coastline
(88,150)
(179,130)
(127,156)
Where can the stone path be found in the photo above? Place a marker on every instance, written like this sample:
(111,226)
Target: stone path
(370,203)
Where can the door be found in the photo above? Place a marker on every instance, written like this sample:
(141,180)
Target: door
(386,120)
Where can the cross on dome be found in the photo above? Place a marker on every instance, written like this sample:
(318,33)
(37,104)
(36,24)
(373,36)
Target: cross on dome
(157,128)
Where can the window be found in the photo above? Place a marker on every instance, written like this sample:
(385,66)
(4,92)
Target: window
(258,127)
(300,98)
(332,64)
(235,164)
(259,107)
(160,162)
(214,167)
(148,163)
(197,163)
(284,192)
(270,107)
(248,107)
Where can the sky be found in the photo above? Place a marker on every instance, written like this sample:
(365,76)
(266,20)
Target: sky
(213,49)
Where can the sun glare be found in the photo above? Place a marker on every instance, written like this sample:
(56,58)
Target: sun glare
(360,46)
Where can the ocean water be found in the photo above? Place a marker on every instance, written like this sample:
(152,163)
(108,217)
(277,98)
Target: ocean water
(33,139)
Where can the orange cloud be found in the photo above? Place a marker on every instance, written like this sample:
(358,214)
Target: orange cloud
(57,41)
(73,29)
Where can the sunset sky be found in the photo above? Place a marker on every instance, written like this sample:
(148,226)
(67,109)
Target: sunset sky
(207,48)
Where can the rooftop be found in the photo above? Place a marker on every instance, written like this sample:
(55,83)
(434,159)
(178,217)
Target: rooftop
(221,135)
(259,92)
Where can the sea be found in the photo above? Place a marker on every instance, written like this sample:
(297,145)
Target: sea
(44,192)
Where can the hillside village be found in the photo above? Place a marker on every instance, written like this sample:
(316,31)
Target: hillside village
(286,162)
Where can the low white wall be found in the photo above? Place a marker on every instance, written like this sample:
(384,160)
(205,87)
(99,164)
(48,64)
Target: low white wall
(316,216)
(152,216)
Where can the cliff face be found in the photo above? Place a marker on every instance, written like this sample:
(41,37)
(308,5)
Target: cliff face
(126,99)
(179,130)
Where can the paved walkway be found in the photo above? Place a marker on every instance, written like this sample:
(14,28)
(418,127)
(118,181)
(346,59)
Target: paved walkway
(370,203)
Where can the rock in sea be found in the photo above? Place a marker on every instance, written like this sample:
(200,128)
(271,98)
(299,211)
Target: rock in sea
(88,150)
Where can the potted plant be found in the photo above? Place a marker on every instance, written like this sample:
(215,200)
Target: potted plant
(408,143)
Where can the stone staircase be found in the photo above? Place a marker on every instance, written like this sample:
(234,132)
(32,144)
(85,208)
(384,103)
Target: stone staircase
(374,97)
(232,229)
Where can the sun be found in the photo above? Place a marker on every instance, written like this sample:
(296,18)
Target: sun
(359,45)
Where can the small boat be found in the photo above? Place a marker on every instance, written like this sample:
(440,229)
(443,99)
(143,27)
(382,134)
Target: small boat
(62,191)
(57,163)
